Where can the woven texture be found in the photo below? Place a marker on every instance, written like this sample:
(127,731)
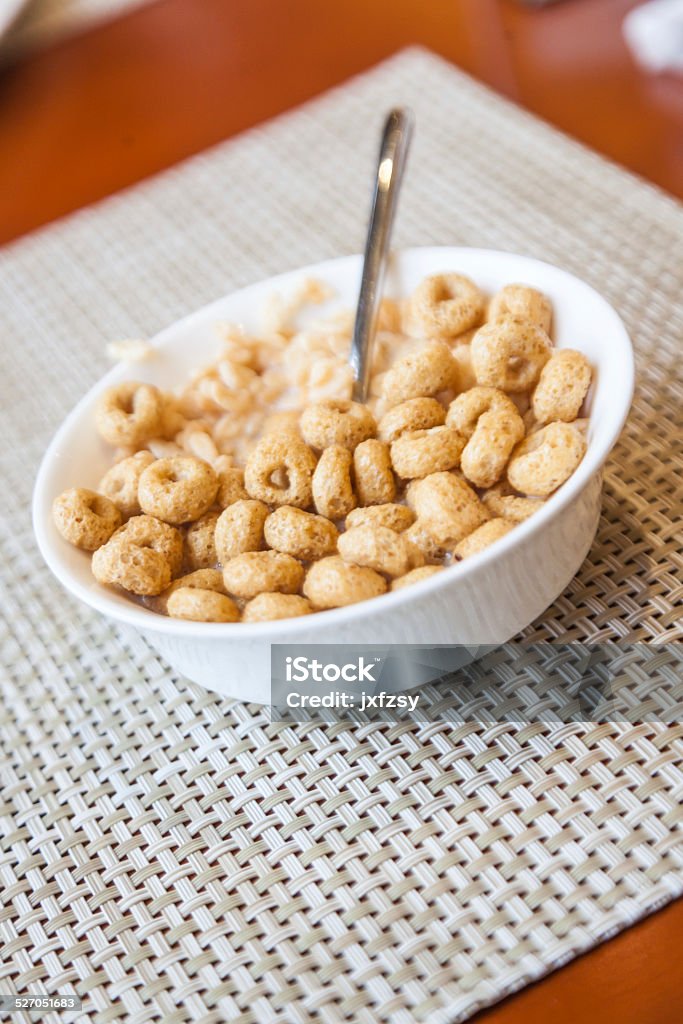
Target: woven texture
(171,856)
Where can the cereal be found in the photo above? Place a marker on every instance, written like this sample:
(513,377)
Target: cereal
(375,484)
(300,534)
(239,528)
(85,518)
(177,490)
(546,459)
(415,414)
(200,542)
(562,387)
(269,607)
(199,605)
(379,548)
(509,505)
(279,471)
(420,374)
(523,301)
(281,423)
(337,423)
(394,517)
(448,507)
(334,583)
(423,572)
(120,483)
(493,426)
(461,350)
(129,413)
(420,537)
(202,579)
(427,451)
(142,556)
(230,483)
(509,354)
(482,537)
(258,572)
(445,305)
(333,492)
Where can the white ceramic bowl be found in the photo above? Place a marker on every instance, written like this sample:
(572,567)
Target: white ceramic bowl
(485,600)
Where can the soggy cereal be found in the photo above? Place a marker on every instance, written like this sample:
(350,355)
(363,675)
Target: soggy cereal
(334,583)
(177,490)
(269,607)
(258,572)
(423,572)
(197,605)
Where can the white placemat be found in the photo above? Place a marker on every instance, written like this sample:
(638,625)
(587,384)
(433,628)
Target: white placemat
(168,855)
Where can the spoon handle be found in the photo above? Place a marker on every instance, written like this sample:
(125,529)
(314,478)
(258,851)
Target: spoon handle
(390,166)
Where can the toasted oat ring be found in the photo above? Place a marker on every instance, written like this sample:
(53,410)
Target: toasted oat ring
(178,489)
(85,518)
(375,484)
(510,506)
(420,537)
(544,460)
(510,353)
(130,413)
(300,534)
(199,605)
(240,528)
(334,583)
(493,426)
(337,421)
(333,493)
(421,374)
(279,471)
(482,537)
(446,507)
(445,305)
(562,387)
(415,414)
(269,607)
(381,549)
(120,483)
(427,451)
(142,556)
(423,572)
(523,301)
(230,486)
(395,517)
(201,579)
(259,572)
(200,543)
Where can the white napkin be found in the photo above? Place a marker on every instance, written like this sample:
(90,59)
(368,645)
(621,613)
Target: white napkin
(654,34)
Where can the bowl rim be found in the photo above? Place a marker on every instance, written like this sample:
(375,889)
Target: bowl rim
(146,620)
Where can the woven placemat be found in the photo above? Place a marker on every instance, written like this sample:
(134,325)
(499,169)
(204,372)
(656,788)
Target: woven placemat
(171,856)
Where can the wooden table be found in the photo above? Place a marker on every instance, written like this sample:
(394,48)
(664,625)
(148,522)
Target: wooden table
(101,111)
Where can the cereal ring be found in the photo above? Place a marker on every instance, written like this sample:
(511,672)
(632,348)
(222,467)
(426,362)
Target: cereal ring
(281,423)
(522,301)
(546,459)
(334,583)
(332,488)
(230,486)
(300,534)
(177,490)
(279,471)
(200,543)
(482,537)
(427,451)
(448,507)
(202,579)
(269,607)
(422,373)
(493,425)
(562,387)
(423,572)
(240,528)
(337,422)
(375,484)
(461,350)
(199,605)
(379,548)
(510,506)
(259,572)
(445,305)
(394,517)
(141,556)
(129,413)
(415,414)
(85,518)
(420,537)
(120,483)
(510,353)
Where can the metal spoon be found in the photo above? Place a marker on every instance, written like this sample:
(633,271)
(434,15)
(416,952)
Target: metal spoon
(393,151)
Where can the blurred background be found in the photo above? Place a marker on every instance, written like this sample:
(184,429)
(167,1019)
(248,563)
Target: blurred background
(97,94)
